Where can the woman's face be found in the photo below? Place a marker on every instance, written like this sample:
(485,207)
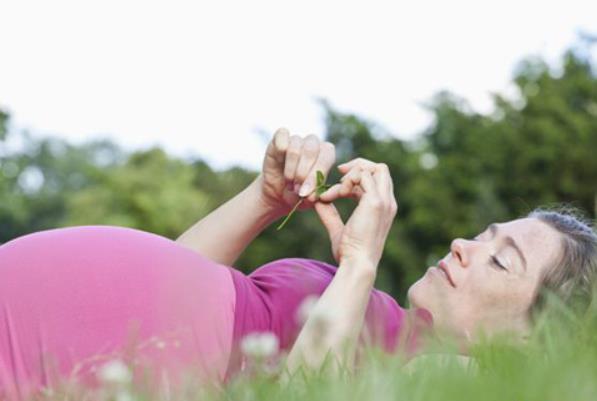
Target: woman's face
(489,282)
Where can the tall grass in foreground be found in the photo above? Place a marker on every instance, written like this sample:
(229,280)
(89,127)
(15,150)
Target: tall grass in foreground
(558,363)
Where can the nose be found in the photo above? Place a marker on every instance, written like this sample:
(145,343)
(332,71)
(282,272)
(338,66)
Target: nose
(459,251)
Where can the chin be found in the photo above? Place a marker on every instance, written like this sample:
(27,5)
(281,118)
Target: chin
(416,295)
(423,294)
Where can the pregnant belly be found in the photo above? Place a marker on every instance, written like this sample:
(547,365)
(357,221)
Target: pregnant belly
(74,298)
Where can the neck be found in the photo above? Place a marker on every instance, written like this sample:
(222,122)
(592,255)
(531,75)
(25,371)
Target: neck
(418,332)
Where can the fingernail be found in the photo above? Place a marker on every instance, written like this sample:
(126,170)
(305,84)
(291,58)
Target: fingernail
(296,187)
(305,190)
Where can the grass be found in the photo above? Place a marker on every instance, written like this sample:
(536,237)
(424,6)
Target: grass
(559,362)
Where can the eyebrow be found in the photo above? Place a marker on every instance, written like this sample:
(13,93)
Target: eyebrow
(510,241)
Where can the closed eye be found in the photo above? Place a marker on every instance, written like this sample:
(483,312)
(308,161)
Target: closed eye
(497,263)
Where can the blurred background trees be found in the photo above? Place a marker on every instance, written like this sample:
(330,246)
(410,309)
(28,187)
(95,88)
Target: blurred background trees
(465,171)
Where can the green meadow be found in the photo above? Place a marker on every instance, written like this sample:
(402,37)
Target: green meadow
(558,362)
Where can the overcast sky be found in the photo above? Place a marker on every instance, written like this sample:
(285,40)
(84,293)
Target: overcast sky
(202,78)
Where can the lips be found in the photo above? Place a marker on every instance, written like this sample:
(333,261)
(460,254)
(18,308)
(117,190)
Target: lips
(442,265)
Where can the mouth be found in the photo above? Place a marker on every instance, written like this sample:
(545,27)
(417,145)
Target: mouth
(443,267)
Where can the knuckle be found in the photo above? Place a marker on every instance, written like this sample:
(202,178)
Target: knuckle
(383,166)
(295,140)
(376,204)
(294,148)
(293,152)
(311,147)
(281,131)
(312,138)
(393,209)
(280,140)
(328,146)
(288,175)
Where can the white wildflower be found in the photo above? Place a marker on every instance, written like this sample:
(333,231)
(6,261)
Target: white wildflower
(259,345)
(115,372)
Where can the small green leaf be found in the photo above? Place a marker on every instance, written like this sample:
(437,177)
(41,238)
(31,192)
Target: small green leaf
(322,189)
(320,178)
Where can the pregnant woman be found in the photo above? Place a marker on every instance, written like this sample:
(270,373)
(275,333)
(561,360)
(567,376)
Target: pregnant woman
(73,298)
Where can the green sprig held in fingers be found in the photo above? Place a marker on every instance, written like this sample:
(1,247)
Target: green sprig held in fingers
(320,188)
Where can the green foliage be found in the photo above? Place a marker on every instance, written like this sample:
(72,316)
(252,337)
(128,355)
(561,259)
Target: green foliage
(150,192)
(3,124)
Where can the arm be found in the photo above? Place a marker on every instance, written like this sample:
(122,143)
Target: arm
(224,234)
(343,303)
(359,246)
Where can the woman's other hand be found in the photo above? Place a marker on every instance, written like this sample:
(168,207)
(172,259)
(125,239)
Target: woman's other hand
(364,235)
(289,169)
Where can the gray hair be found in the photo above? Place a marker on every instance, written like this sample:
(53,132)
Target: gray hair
(572,277)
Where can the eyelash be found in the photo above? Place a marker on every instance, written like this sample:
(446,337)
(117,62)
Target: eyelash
(496,262)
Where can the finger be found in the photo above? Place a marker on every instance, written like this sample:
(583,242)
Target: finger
(333,193)
(385,186)
(293,154)
(371,200)
(309,153)
(368,184)
(346,187)
(330,218)
(280,143)
(359,161)
(383,181)
(350,180)
(325,161)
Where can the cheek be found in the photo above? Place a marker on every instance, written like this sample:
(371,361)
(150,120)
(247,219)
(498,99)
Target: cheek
(501,295)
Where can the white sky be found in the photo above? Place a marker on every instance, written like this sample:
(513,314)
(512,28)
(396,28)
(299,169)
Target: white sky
(201,78)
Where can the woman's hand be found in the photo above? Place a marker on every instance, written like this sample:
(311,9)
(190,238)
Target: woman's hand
(364,234)
(289,170)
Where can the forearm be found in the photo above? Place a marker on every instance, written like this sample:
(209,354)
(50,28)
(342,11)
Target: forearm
(343,305)
(224,234)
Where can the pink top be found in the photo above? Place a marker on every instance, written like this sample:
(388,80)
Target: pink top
(73,298)
(268,299)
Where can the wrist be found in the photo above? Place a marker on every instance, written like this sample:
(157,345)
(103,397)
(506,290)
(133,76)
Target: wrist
(360,267)
(265,208)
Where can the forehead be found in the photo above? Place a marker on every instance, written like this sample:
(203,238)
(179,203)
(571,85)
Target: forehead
(539,242)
